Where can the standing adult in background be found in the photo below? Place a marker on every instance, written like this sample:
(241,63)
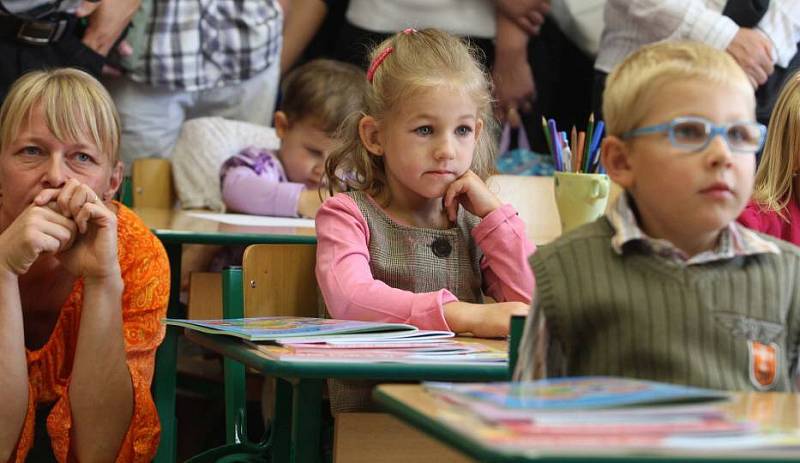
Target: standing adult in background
(368,22)
(39,34)
(212,58)
(544,64)
(761,35)
(310,29)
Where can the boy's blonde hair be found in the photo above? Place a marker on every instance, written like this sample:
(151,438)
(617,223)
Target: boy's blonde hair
(75,107)
(323,91)
(779,164)
(632,84)
(419,61)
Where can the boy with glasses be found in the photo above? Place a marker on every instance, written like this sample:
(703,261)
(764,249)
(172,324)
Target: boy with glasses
(667,286)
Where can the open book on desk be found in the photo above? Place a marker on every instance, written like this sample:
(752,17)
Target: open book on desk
(577,393)
(280,327)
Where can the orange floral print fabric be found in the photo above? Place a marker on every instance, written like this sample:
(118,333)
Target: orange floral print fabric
(145,273)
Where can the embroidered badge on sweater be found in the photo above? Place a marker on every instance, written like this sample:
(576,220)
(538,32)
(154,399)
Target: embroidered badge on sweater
(763,364)
(764,353)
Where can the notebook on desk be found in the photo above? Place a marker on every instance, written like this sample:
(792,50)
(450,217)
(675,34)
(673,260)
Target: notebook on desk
(424,351)
(594,411)
(281,327)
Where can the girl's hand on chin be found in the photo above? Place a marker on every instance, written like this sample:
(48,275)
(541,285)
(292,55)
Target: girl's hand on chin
(472,193)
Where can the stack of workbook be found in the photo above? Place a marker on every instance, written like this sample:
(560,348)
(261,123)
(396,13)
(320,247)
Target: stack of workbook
(319,339)
(593,413)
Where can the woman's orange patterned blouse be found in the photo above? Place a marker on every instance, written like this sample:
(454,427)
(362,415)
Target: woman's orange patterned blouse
(145,273)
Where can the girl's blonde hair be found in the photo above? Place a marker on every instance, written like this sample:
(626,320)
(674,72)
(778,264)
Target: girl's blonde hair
(75,107)
(779,164)
(418,61)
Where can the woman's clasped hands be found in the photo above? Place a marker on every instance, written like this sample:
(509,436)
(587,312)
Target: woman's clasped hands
(70,223)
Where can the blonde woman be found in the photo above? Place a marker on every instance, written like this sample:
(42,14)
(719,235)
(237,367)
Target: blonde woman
(775,208)
(83,283)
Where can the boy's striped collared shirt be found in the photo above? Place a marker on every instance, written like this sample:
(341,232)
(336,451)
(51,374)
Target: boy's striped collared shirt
(734,240)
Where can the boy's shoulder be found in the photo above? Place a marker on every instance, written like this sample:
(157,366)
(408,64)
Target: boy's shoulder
(597,235)
(787,249)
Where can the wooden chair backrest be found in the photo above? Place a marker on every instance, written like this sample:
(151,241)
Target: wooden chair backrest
(279,279)
(152,183)
(205,296)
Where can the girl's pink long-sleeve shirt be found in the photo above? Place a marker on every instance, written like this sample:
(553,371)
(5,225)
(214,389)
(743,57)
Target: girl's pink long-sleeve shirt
(351,292)
(758,218)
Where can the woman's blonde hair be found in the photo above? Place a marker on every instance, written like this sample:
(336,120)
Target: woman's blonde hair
(632,84)
(75,107)
(779,164)
(418,61)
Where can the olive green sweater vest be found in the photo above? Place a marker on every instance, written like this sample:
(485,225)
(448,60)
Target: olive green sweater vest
(643,316)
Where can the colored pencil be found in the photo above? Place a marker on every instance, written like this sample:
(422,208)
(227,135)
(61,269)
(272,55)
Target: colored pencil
(551,125)
(573,145)
(589,132)
(547,136)
(597,136)
(595,146)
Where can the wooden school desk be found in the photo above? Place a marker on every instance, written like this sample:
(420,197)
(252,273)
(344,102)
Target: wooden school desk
(414,405)
(296,426)
(175,228)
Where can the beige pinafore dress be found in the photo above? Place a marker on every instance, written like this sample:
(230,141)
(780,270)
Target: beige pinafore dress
(414,259)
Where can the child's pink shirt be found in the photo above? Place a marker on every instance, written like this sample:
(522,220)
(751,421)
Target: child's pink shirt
(351,292)
(771,223)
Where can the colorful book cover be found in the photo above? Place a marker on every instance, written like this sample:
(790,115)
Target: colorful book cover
(606,416)
(577,393)
(273,328)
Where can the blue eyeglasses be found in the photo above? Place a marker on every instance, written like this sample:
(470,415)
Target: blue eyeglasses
(695,133)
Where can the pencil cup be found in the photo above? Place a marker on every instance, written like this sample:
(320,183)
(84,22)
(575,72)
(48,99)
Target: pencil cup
(580,198)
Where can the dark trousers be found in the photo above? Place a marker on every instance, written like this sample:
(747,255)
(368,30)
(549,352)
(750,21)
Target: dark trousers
(17,58)
(563,75)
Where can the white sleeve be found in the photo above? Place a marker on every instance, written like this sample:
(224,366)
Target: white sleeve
(781,24)
(682,20)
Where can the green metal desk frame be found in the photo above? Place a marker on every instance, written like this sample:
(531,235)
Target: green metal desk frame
(296,428)
(164,382)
